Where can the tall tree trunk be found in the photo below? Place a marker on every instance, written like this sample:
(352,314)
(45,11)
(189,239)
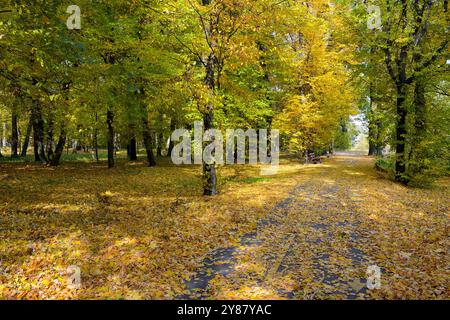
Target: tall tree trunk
(212,81)
(420,108)
(38,133)
(148,141)
(26,141)
(109,121)
(96,137)
(372,137)
(36,148)
(372,129)
(379,143)
(420,127)
(14,135)
(132,149)
(159,145)
(49,144)
(401,108)
(400,147)
(209,170)
(59,148)
(96,145)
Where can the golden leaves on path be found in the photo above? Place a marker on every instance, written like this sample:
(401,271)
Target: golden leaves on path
(344,220)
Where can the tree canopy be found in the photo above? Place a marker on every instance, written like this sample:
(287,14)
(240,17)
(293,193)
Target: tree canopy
(131,73)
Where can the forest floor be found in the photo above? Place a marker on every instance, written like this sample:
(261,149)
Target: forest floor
(309,232)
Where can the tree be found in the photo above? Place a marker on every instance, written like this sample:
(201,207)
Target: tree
(408,46)
(321,96)
(410,52)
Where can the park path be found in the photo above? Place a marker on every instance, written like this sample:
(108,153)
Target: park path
(308,246)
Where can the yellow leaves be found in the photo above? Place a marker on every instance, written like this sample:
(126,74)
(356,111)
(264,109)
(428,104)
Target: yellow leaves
(22,294)
(144,244)
(107,194)
(45,282)
(405,255)
(128,240)
(333,220)
(133,295)
(403,40)
(300,119)
(320,72)
(153,245)
(433,237)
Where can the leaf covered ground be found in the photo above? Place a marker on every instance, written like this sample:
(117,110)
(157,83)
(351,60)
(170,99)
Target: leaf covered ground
(143,233)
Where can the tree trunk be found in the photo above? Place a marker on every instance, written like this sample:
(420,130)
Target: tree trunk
(148,141)
(96,138)
(420,128)
(96,144)
(38,133)
(59,149)
(372,144)
(420,123)
(36,148)
(372,132)
(400,161)
(26,141)
(109,121)
(132,149)
(159,146)
(49,144)
(209,170)
(14,136)
(379,142)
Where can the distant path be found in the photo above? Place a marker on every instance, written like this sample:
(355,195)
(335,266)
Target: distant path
(311,239)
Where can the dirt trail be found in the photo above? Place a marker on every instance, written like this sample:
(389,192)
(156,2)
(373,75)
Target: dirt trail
(308,246)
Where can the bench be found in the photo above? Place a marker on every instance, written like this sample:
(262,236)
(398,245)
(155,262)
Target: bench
(312,158)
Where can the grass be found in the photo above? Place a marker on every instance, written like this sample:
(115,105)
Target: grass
(255,180)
